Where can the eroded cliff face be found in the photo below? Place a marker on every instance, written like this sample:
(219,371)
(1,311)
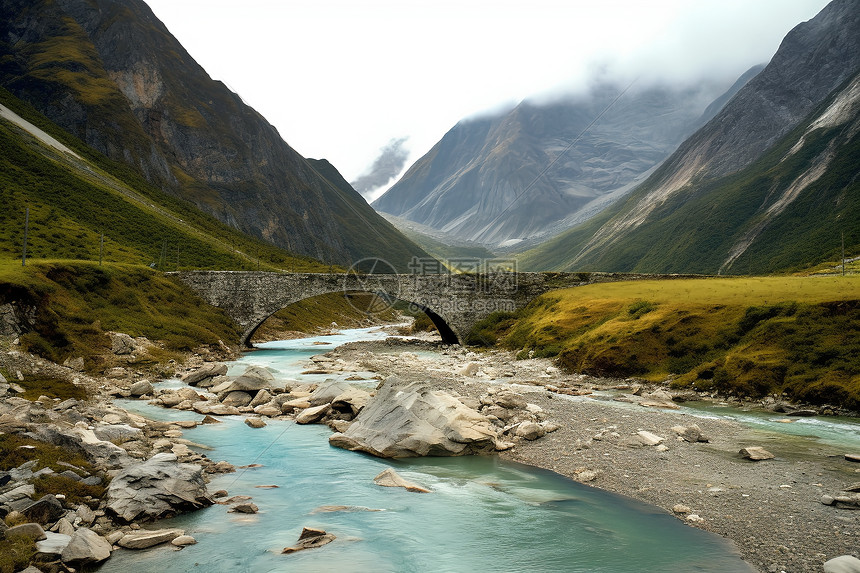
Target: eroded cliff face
(109,72)
(544,166)
(756,189)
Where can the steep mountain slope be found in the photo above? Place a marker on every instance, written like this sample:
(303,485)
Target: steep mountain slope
(769,183)
(86,207)
(545,166)
(110,73)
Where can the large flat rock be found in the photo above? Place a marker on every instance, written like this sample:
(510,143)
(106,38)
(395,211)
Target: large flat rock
(409,420)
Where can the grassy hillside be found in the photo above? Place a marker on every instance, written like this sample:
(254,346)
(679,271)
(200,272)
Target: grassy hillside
(111,74)
(73,202)
(737,336)
(697,228)
(74,305)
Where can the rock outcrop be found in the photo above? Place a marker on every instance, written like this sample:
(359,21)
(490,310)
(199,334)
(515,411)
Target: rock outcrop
(412,419)
(85,547)
(310,538)
(158,487)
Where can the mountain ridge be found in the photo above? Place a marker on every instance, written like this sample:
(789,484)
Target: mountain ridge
(110,73)
(719,190)
(511,177)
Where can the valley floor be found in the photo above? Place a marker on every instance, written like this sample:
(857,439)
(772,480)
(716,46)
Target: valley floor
(770,509)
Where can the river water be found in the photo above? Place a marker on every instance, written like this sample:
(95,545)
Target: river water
(483,514)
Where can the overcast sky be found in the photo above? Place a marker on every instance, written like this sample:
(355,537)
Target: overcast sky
(345,79)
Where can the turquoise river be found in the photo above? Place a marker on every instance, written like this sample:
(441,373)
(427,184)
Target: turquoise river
(483,514)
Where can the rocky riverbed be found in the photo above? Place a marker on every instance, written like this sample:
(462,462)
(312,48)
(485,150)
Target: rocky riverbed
(638,444)
(787,511)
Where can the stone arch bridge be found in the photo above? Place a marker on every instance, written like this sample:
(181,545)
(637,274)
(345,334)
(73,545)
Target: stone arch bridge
(454,302)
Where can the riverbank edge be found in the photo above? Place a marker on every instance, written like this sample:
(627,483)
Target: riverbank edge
(549,453)
(706,485)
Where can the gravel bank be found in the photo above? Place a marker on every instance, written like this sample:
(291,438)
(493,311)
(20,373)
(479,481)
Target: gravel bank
(770,509)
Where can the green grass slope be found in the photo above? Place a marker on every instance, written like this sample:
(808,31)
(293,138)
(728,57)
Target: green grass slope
(73,202)
(111,74)
(737,336)
(696,229)
(75,304)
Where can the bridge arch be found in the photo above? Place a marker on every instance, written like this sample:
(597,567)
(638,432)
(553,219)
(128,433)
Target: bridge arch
(384,301)
(453,302)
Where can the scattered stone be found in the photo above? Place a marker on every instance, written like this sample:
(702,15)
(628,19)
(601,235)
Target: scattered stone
(756,453)
(803,413)
(221,467)
(121,343)
(148,538)
(413,419)
(390,478)
(244,508)
(237,398)
(842,564)
(53,544)
(47,509)
(252,380)
(690,433)
(351,401)
(842,501)
(648,438)
(510,400)
(853,457)
(210,420)
(530,431)
(235,499)
(183,541)
(310,538)
(32,530)
(695,518)
(141,388)
(681,509)
(469,369)
(586,475)
(65,527)
(86,546)
(204,372)
(326,392)
(159,487)
(117,433)
(255,422)
(262,397)
(86,515)
(267,410)
(114,536)
(313,414)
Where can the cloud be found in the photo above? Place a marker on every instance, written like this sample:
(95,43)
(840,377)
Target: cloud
(387,165)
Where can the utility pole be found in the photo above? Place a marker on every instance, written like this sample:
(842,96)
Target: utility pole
(26,228)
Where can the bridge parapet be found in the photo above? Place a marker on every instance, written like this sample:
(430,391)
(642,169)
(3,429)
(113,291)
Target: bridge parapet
(454,302)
